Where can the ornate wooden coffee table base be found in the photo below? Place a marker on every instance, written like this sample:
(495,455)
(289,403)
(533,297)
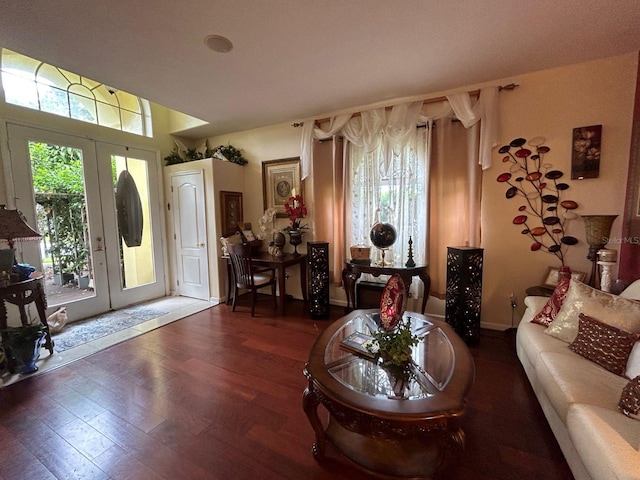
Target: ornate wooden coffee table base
(387,433)
(382,448)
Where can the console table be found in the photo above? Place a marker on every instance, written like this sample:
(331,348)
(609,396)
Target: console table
(352,272)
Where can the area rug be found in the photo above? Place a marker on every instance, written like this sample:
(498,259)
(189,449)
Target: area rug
(83,331)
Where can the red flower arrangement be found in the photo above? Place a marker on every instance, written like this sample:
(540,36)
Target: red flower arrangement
(296,211)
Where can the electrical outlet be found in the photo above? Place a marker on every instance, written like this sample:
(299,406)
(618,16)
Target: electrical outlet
(514,300)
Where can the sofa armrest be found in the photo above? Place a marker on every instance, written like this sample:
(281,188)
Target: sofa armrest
(534,305)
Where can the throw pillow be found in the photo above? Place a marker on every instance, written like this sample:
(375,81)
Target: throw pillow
(553,305)
(633,364)
(629,403)
(610,309)
(603,344)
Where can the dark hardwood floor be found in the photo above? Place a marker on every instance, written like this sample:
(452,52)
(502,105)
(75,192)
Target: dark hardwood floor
(218,395)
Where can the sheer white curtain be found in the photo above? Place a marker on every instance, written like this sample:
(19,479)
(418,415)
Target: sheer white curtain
(395,171)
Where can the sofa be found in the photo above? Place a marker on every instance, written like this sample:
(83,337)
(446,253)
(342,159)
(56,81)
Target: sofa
(581,398)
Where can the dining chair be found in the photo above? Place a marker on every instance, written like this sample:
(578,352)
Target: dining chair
(248,277)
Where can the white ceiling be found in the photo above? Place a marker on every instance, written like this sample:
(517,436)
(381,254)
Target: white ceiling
(297,59)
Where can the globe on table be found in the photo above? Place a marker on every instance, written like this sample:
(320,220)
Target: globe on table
(383,235)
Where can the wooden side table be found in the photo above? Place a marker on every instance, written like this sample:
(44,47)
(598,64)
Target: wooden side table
(21,294)
(352,272)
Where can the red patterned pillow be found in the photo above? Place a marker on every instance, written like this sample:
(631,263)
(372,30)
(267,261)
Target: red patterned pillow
(603,344)
(552,307)
(629,403)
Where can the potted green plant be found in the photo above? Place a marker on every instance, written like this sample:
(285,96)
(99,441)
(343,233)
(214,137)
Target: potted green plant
(22,347)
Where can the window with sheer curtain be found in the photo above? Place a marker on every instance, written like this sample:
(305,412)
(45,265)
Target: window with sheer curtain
(389,185)
(424,181)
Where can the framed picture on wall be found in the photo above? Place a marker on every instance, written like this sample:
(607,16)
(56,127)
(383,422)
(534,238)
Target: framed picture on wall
(585,155)
(280,180)
(230,211)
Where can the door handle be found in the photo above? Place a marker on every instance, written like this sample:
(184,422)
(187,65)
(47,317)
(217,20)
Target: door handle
(202,245)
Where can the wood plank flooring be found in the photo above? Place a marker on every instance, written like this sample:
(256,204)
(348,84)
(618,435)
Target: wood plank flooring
(218,395)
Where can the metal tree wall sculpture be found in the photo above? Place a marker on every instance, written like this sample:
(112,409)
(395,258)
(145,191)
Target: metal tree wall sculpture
(534,181)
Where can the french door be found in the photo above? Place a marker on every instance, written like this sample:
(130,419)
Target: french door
(98,210)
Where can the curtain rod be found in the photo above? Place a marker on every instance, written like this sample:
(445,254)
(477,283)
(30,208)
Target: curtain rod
(474,93)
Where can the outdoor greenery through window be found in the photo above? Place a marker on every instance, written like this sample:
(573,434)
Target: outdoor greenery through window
(60,210)
(33,84)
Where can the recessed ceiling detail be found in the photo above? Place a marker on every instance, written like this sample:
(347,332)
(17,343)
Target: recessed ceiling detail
(218,43)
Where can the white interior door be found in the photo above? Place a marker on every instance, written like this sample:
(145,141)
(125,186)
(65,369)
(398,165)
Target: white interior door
(118,248)
(189,222)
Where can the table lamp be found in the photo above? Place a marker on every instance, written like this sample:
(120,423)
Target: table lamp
(13,226)
(598,230)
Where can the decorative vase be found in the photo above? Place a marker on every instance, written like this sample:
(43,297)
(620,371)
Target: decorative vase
(399,378)
(295,239)
(279,241)
(23,346)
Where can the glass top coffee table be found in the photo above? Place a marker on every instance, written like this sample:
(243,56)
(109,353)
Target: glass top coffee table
(388,426)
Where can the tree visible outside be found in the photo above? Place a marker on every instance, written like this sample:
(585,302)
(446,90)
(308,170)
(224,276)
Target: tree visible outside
(58,183)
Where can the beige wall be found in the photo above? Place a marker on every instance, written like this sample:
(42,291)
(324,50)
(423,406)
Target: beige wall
(551,103)
(548,103)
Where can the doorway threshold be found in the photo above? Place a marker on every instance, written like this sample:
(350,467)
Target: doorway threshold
(175,307)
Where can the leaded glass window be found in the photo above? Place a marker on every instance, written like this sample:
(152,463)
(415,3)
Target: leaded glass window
(33,84)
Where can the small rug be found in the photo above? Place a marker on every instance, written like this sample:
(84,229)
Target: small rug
(83,331)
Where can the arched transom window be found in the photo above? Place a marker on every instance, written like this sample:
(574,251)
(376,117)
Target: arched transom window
(33,84)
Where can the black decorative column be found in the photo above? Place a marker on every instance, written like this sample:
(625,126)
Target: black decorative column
(318,254)
(464,291)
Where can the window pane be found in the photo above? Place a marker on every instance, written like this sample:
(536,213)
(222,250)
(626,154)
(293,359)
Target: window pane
(109,116)
(82,108)
(103,95)
(53,100)
(129,102)
(90,84)
(62,222)
(71,95)
(14,62)
(81,90)
(49,75)
(136,243)
(131,122)
(19,91)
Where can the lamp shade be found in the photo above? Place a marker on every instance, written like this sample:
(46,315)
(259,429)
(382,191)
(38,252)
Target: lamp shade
(13,226)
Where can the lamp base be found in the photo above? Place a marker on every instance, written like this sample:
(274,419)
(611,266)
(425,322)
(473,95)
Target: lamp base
(7,259)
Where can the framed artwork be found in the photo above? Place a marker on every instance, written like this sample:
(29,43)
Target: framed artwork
(230,212)
(280,180)
(552,275)
(585,152)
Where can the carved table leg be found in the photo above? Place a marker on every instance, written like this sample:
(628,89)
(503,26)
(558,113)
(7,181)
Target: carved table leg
(426,280)
(349,279)
(310,402)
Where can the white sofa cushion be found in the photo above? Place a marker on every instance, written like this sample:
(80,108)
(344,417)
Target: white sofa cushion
(632,292)
(534,305)
(569,379)
(533,341)
(608,308)
(608,442)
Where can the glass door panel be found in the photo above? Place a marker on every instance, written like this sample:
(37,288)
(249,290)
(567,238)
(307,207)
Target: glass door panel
(55,186)
(131,207)
(60,202)
(98,209)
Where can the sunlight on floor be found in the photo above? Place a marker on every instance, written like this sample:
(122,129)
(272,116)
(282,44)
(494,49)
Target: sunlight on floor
(177,308)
